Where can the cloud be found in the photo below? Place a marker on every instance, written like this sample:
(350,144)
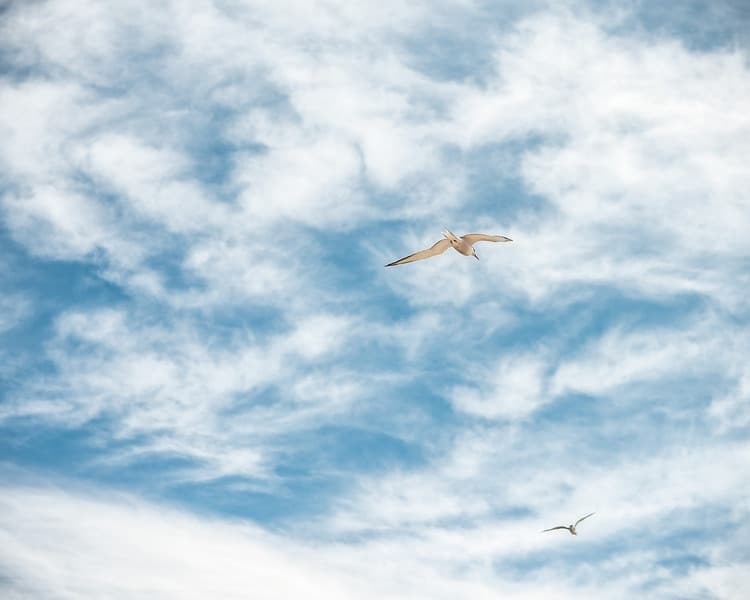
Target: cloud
(513,389)
(153,182)
(697,355)
(179,557)
(36,140)
(52,540)
(14,309)
(323,192)
(732,409)
(64,225)
(651,354)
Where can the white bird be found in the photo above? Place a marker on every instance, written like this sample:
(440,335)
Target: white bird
(463,244)
(571,528)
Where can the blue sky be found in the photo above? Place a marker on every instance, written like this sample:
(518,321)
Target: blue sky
(209,384)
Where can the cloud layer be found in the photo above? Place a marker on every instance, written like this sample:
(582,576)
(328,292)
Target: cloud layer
(201,343)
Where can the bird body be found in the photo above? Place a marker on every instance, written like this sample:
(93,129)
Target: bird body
(570,528)
(463,245)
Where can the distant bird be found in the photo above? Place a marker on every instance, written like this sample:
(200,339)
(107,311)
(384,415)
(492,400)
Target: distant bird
(463,244)
(571,528)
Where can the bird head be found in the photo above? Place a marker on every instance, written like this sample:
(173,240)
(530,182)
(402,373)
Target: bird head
(450,236)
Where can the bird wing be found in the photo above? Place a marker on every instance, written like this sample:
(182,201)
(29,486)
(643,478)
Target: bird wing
(582,518)
(553,528)
(473,238)
(437,248)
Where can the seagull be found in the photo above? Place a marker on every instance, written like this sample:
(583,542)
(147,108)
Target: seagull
(571,528)
(463,244)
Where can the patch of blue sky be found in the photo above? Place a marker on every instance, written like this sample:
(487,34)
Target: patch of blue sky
(73,451)
(421,407)
(53,286)
(298,497)
(453,48)
(493,182)
(673,558)
(697,24)
(207,131)
(342,450)
(608,429)
(314,468)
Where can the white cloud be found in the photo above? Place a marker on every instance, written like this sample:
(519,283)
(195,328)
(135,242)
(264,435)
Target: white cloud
(155,182)
(613,367)
(732,409)
(727,582)
(34,137)
(62,224)
(123,549)
(313,181)
(52,541)
(619,358)
(511,389)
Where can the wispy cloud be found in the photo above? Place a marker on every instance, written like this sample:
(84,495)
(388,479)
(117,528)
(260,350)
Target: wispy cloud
(174,394)
(513,389)
(14,308)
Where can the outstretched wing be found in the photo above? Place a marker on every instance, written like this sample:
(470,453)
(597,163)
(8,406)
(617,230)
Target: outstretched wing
(582,518)
(553,528)
(473,238)
(437,248)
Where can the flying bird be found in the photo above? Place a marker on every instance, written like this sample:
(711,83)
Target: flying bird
(463,244)
(571,528)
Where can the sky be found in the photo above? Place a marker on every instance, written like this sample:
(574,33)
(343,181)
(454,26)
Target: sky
(210,386)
